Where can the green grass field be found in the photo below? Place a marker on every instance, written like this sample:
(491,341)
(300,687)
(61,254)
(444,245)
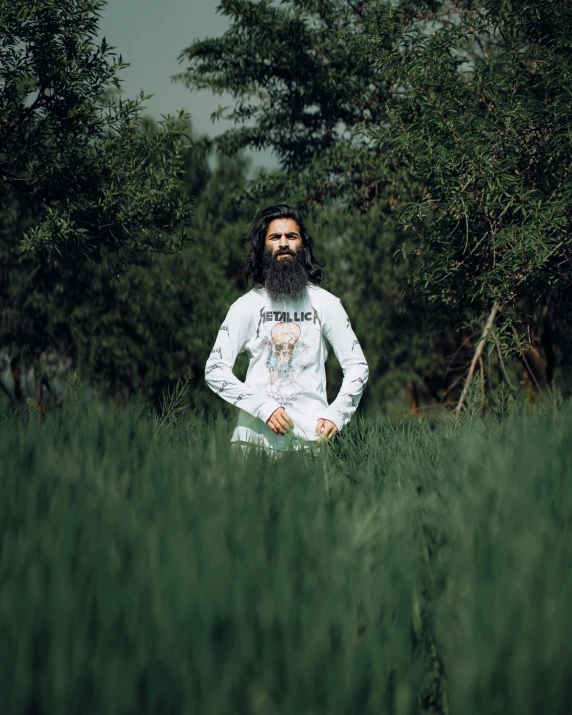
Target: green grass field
(412,567)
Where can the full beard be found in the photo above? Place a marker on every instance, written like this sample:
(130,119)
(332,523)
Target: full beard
(284,278)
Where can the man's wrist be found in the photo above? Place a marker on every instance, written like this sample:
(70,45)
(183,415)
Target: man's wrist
(267,410)
(335,419)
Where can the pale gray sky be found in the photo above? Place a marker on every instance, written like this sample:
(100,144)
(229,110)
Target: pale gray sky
(150,34)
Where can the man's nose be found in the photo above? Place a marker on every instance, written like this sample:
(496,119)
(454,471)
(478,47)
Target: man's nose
(283,243)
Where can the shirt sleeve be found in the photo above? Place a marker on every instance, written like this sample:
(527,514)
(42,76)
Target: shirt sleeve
(231,339)
(339,333)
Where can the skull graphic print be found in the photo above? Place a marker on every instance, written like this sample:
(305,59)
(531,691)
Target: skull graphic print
(285,350)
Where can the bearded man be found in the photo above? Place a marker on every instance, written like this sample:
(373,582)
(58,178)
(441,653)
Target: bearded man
(285,324)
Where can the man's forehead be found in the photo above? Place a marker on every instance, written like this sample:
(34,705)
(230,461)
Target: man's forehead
(283,225)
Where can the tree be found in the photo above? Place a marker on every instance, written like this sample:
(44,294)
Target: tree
(304,85)
(82,189)
(157,323)
(481,118)
(452,115)
(301,89)
(70,149)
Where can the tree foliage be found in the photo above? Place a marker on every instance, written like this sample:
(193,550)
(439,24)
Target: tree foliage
(301,89)
(448,123)
(85,192)
(428,143)
(304,85)
(71,152)
(156,324)
(481,118)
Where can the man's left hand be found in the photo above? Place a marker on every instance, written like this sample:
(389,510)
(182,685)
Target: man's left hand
(325,429)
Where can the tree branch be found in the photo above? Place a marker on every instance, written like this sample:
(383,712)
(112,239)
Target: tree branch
(477,355)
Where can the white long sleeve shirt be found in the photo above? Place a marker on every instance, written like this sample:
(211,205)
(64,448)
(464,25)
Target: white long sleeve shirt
(286,346)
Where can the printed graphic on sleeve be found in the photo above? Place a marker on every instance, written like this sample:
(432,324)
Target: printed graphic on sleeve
(285,349)
(354,399)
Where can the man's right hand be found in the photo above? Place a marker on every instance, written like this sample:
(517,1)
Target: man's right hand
(279,421)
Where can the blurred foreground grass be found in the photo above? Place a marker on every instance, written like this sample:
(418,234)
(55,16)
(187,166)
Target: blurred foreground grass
(413,567)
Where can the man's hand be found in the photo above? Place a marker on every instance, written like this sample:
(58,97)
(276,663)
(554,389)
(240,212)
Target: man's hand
(279,421)
(325,429)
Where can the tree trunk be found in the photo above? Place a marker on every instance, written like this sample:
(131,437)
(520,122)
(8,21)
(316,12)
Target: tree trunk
(477,356)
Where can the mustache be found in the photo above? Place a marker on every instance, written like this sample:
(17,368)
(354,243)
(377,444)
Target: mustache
(285,252)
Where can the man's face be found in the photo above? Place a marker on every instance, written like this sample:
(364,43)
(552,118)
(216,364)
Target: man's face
(283,239)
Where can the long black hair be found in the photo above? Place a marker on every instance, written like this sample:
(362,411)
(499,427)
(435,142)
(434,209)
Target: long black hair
(256,237)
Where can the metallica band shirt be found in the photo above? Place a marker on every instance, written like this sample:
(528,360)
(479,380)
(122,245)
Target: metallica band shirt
(286,346)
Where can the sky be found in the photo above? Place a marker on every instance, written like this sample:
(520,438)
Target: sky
(150,34)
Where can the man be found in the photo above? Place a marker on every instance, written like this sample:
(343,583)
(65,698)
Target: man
(283,323)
